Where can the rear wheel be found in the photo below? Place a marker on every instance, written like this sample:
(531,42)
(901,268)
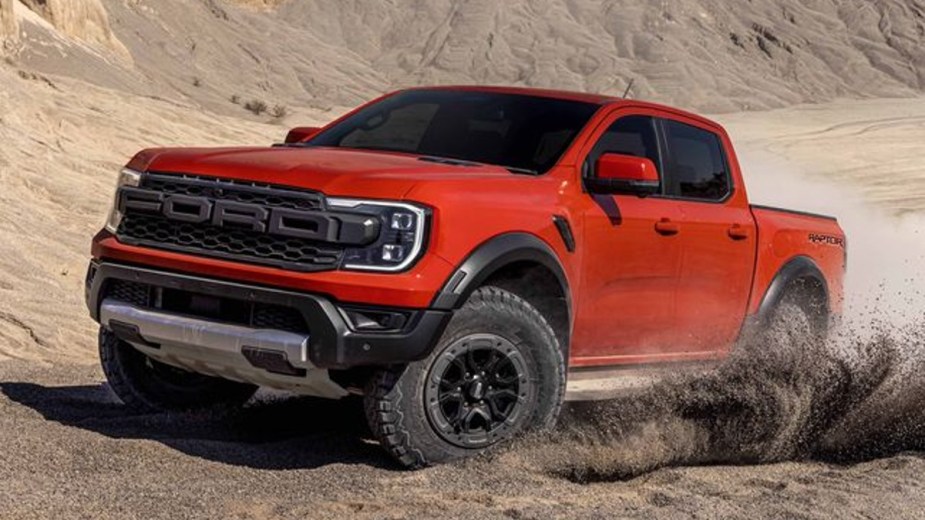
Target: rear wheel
(801,314)
(146,385)
(793,333)
(497,370)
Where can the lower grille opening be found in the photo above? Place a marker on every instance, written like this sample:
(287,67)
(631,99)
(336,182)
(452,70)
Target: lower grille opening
(137,294)
(228,310)
(236,244)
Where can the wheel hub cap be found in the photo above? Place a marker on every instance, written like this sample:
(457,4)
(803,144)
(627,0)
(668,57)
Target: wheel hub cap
(476,389)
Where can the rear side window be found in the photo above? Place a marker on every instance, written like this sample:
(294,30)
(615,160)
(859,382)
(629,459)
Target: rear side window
(696,167)
(631,135)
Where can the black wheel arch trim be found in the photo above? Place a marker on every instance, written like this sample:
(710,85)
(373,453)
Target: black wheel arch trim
(491,256)
(799,267)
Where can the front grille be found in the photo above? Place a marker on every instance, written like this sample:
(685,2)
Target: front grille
(238,191)
(258,315)
(152,229)
(234,244)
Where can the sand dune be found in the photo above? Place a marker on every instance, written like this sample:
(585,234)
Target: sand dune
(62,141)
(700,54)
(851,144)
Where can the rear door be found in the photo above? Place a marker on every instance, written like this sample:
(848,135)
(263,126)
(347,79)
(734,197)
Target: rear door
(629,268)
(717,236)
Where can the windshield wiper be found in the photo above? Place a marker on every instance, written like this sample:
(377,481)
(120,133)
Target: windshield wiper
(447,160)
(518,169)
(463,162)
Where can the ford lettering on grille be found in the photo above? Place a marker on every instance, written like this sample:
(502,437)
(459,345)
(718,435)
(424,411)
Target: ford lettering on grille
(226,213)
(240,221)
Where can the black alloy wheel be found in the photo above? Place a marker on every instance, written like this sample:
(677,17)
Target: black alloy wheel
(498,371)
(476,390)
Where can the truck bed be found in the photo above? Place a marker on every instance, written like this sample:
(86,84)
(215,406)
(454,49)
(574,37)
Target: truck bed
(785,234)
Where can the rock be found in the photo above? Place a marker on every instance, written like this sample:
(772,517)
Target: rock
(9,28)
(84,20)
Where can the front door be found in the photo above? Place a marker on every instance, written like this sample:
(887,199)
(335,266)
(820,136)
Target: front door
(631,260)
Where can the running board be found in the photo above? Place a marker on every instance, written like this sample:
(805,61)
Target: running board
(595,384)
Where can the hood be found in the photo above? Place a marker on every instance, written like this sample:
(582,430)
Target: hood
(332,171)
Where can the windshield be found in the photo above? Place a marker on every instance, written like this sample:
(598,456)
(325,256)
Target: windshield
(519,132)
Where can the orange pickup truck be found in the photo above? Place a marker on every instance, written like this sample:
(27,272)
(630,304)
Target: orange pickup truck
(452,254)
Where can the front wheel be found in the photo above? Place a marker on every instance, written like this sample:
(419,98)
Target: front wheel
(497,370)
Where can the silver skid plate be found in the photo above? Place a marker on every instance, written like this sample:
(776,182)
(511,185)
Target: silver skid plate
(215,349)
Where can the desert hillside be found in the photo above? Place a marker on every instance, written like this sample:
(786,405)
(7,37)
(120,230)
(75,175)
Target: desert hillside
(322,54)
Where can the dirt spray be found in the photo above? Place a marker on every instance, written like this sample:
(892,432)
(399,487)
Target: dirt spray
(855,395)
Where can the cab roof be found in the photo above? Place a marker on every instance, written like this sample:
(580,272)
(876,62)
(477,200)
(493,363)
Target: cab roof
(595,99)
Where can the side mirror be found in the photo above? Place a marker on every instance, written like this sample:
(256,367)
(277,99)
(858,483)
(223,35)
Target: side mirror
(617,173)
(301,133)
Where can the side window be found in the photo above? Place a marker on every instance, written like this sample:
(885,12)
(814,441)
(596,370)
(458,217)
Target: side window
(696,167)
(631,135)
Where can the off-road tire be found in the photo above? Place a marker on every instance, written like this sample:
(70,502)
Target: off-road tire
(799,315)
(145,385)
(394,399)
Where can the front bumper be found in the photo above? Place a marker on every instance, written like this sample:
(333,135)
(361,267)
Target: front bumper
(328,341)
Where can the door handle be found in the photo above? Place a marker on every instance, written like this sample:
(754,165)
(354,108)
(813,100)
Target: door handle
(666,227)
(738,232)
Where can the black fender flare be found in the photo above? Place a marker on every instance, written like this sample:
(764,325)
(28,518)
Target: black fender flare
(493,255)
(800,267)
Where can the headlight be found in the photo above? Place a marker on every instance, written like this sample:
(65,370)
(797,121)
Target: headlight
(401,238)
(126,178)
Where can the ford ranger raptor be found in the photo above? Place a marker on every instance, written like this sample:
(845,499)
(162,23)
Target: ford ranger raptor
(454,255)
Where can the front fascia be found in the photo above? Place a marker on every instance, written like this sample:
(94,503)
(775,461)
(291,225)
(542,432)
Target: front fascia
(412,289)
(331,342)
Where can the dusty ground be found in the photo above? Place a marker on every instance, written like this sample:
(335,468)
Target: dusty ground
(71,451)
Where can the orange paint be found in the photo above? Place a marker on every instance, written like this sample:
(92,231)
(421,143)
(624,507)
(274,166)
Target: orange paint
(651,279)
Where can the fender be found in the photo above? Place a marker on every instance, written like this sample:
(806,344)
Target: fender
(493,255)
(796,268)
